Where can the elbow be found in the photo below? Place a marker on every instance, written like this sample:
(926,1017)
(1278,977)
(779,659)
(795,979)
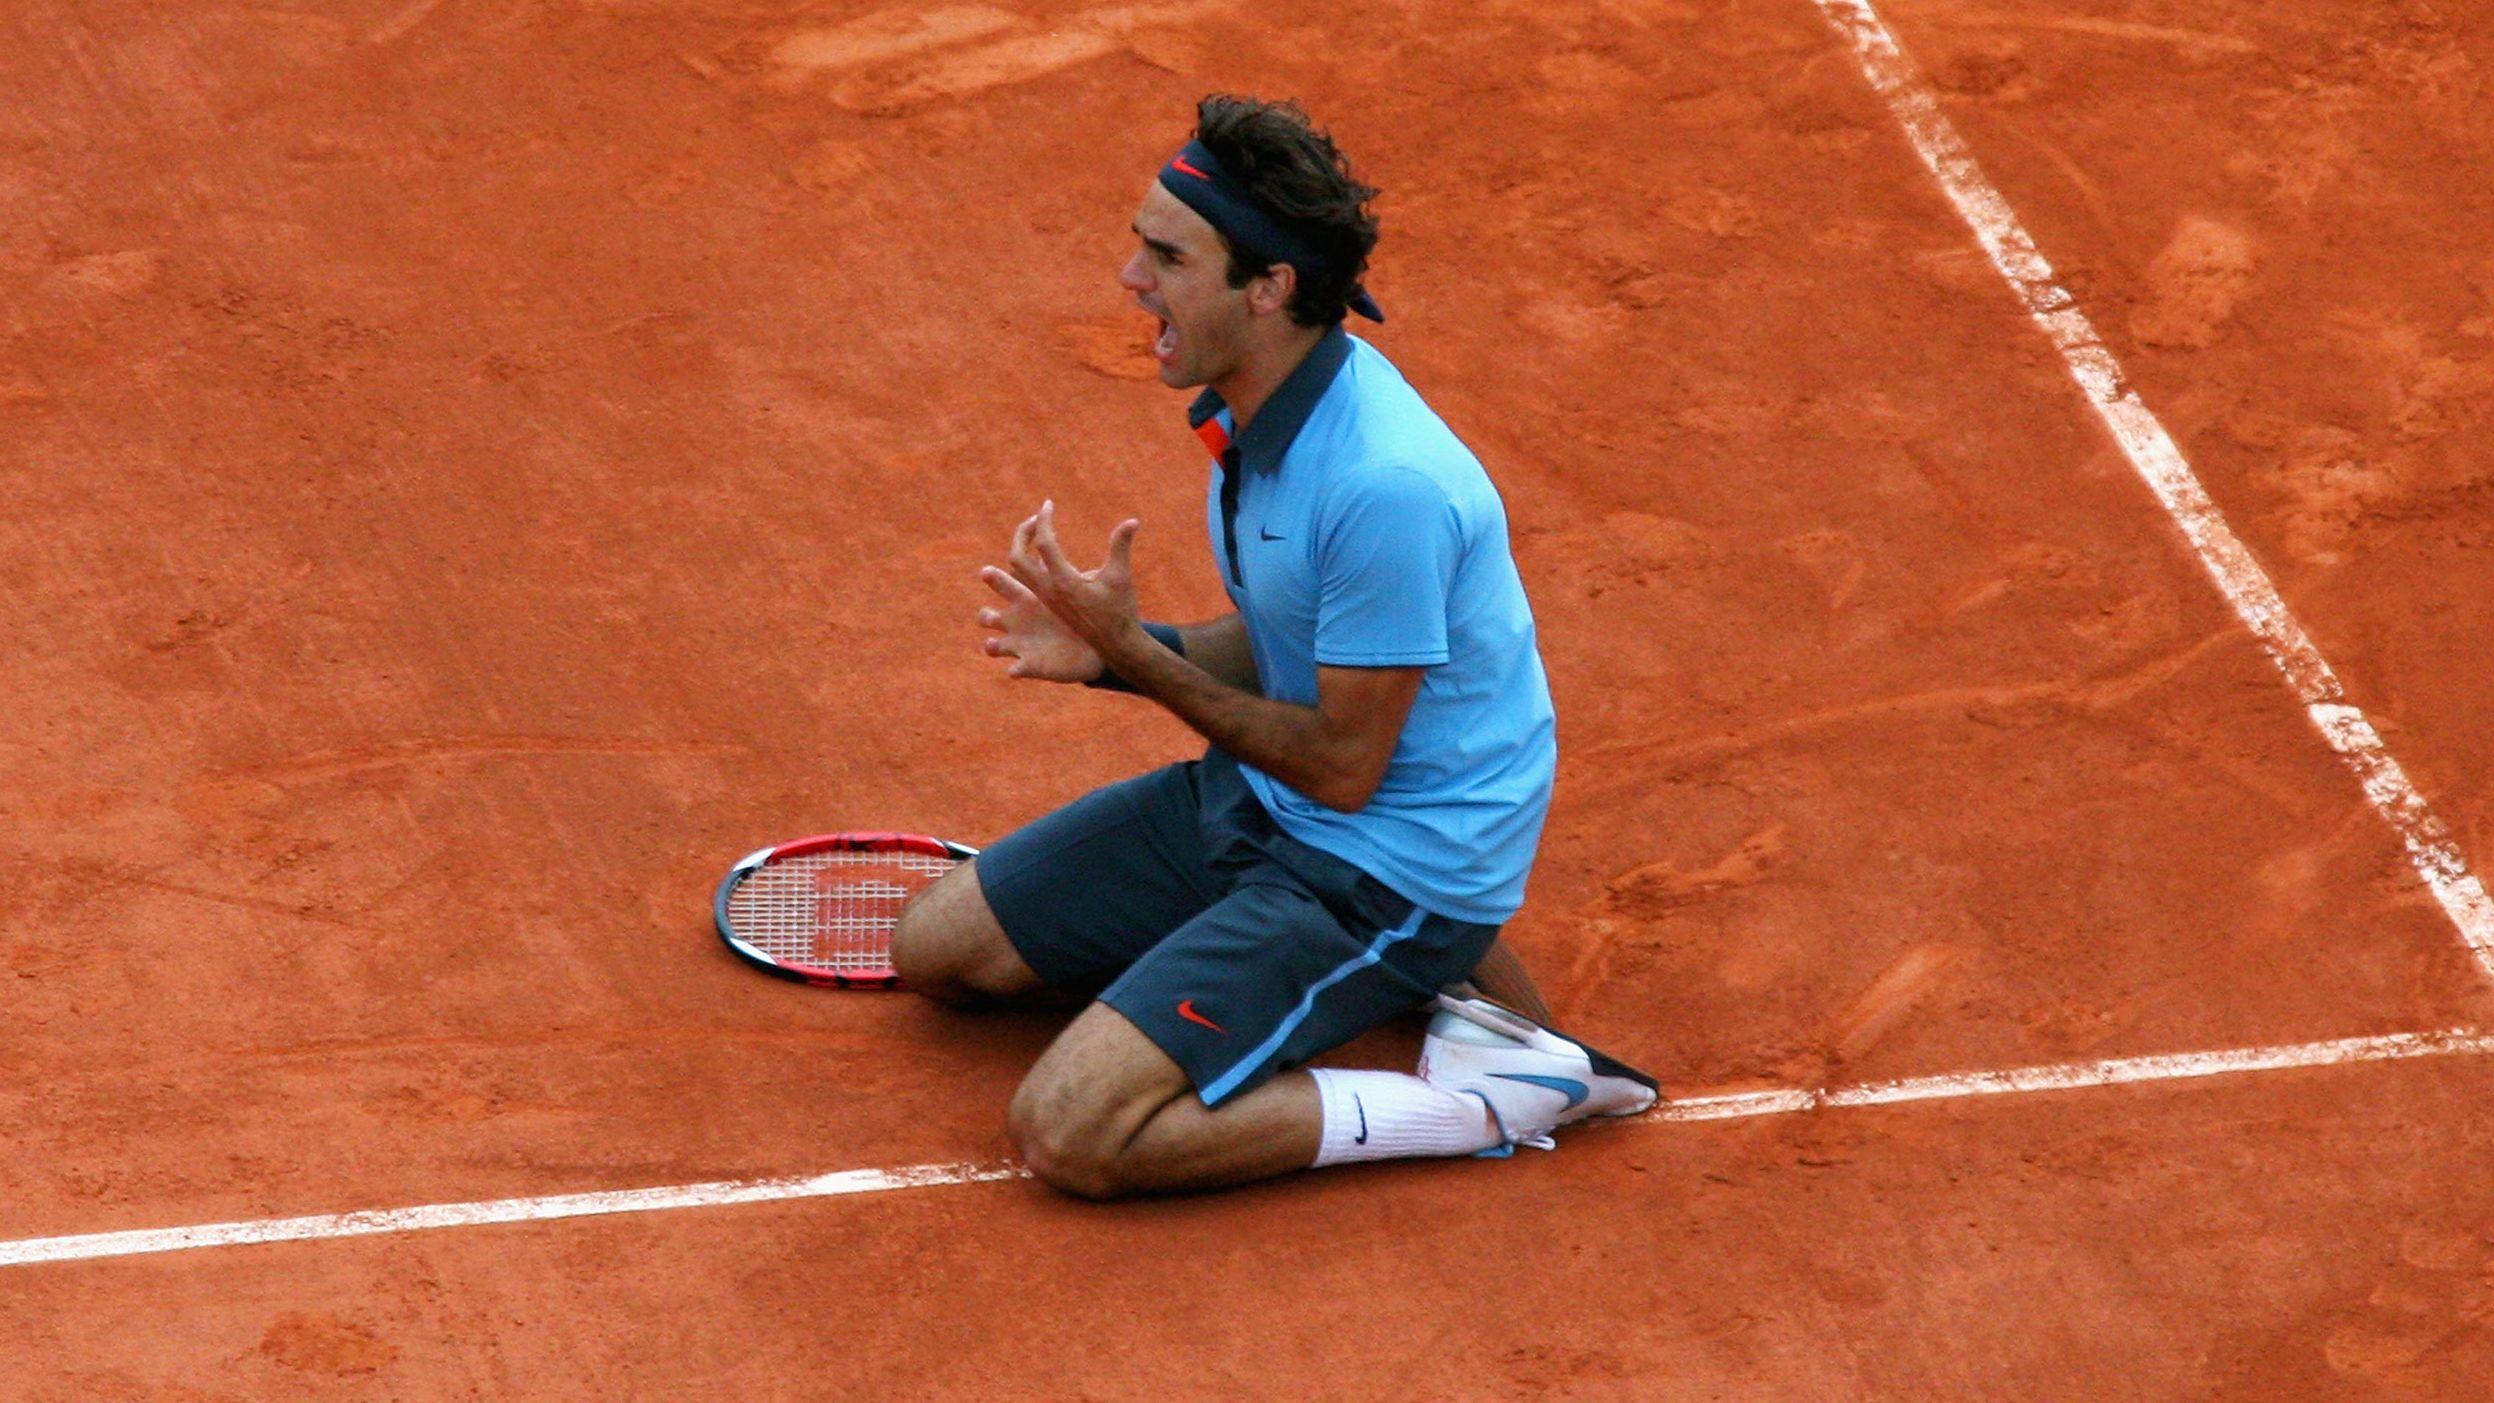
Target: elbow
(1346,794)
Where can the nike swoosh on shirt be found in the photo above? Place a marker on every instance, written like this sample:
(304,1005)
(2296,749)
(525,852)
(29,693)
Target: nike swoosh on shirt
(1186,1010)
(1267,534)
(1575,1091)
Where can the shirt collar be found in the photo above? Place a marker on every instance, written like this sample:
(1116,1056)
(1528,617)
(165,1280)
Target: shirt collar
(1276,426)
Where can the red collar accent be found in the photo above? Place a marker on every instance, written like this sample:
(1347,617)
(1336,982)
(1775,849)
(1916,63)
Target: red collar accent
(1215,437)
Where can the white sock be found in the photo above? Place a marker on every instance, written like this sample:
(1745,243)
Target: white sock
(1394,1115)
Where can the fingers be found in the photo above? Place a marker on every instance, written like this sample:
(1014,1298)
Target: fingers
(1044,544)
(1038,570)
(1014,591)
(1121,549)
(1024,565)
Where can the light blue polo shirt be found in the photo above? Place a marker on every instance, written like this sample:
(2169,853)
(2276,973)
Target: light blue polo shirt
(1366,535)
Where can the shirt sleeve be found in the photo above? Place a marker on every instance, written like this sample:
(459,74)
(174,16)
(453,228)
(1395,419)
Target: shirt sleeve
(1387,548)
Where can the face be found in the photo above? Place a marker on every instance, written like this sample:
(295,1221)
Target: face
(1181,275)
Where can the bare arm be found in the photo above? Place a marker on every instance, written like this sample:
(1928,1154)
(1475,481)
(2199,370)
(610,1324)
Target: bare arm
(1041,645)
(1219,646)
(1335,752)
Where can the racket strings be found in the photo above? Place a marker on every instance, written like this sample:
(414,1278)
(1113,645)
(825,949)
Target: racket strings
(831,910)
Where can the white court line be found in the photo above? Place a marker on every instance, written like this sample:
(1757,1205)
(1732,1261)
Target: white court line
(1736,1105)
(2115,1071)
(501,1210)
(2153,452)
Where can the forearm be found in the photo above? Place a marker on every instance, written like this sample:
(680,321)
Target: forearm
(1219,646)
(1294,744)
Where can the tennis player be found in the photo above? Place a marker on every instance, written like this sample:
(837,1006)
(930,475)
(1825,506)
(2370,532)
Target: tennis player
(1381,743)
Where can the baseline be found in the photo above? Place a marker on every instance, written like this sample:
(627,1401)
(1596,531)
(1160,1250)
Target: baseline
(2119,1071)
(2153,452)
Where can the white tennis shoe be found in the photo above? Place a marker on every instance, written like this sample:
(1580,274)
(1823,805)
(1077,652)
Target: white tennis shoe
(1532,1079)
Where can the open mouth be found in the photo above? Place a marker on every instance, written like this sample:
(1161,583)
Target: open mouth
(1165,342)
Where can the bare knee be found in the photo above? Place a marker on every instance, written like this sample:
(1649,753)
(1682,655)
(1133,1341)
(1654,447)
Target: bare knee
(1065,1154)
(1080,1116)
(1076,1145)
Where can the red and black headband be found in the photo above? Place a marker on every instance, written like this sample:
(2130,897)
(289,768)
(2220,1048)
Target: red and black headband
(1195,176)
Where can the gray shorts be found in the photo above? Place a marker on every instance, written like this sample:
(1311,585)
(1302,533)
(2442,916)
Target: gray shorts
(1237,949)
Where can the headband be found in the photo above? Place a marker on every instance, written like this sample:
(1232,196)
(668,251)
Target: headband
(1197,179)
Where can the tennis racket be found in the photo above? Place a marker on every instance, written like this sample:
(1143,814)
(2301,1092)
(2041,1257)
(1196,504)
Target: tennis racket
(820,910)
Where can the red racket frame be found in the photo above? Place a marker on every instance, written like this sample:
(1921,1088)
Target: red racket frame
(753,862)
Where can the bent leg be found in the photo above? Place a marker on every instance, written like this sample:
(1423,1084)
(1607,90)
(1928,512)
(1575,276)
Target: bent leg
(1055,910)
(949,947)
(1175,1079)
(1105,1112)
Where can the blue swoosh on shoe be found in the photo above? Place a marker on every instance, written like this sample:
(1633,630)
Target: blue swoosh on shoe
(1575,1091)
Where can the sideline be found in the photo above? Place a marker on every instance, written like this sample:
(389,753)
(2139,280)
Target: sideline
(143,1241)
(2118,1071)
(2072,1076)
(2151,450)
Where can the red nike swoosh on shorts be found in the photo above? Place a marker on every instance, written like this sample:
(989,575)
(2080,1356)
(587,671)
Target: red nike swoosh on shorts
(1186,1010)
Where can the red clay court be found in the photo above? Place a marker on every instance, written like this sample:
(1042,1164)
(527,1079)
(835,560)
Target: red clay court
(474,468)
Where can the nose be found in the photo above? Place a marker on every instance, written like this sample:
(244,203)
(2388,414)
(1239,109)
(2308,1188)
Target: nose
(1136,276)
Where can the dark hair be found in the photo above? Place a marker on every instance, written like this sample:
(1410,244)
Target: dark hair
(1293,170)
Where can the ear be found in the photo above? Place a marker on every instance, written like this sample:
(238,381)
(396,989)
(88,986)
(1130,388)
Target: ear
(1270,291)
